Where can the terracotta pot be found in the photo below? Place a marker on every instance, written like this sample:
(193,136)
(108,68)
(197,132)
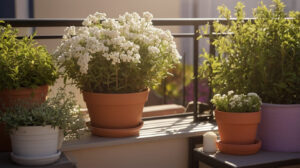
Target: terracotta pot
(115,111)
(9,98)
(32,96)
(279,129)
(237,128)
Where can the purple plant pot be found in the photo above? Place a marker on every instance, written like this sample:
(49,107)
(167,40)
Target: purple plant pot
(279,128)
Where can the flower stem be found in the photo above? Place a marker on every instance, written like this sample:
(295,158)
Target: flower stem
(117,83)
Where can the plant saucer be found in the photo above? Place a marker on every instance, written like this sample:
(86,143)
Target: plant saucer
(115,132)
(239,149)
(36,160)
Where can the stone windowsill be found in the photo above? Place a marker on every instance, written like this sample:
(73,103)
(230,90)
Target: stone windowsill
(160,129)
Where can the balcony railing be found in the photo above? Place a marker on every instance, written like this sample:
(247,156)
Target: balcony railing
(194,22)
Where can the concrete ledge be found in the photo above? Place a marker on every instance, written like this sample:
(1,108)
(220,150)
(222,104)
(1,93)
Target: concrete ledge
(152,130)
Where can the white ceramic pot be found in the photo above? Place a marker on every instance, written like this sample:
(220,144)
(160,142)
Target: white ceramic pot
(35,145)
(60,139)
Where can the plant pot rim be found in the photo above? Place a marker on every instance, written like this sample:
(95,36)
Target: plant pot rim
(238,118)
(237,112)
(37,126)
(34,130)
(145,90)
(24,88)
(280,105)
(115,99)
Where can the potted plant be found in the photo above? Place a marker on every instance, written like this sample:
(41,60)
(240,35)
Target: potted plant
(37,133)
(262,56)
(238,117)
(26,70)
(114,62)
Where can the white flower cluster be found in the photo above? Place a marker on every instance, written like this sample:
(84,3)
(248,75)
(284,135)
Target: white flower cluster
(237,102)
(118,40)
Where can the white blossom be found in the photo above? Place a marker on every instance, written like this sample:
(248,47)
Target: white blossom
(148,16)
(84,60)
(231,102)
(117,40)
(230,92)
(153,50)
(252,94)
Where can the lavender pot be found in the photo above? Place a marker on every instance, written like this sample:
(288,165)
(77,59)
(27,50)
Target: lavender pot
(279,128)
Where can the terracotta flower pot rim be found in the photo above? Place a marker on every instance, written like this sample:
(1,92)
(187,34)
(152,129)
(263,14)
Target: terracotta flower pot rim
(23,89)
(116,99)
(239,117)
(280,105)
(237,112)
(131,93)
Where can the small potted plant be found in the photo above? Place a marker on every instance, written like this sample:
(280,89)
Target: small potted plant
(26,70)
(261,56)
(238,116)
(114,62)
(37,133)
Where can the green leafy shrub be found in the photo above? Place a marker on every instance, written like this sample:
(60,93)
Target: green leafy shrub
(122,55)
(231,102)
(261,56)
(59,111)
(23,63)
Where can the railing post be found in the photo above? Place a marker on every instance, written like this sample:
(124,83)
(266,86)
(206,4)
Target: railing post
(196,54)
(212,51)
(183,79)
(164,84)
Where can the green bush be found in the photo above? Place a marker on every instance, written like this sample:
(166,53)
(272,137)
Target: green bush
(173,82)
(59,111)
(23,63)
(261,56)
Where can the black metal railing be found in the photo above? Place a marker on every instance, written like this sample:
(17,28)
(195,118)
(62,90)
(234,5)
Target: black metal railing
(194,22)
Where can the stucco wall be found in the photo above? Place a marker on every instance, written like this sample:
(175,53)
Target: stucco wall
(156,154)
(170,153)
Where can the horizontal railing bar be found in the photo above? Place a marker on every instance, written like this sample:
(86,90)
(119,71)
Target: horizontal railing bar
(60,36)
(183,34)
(43,22)
(45,37)
(174,34)
(49,22)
